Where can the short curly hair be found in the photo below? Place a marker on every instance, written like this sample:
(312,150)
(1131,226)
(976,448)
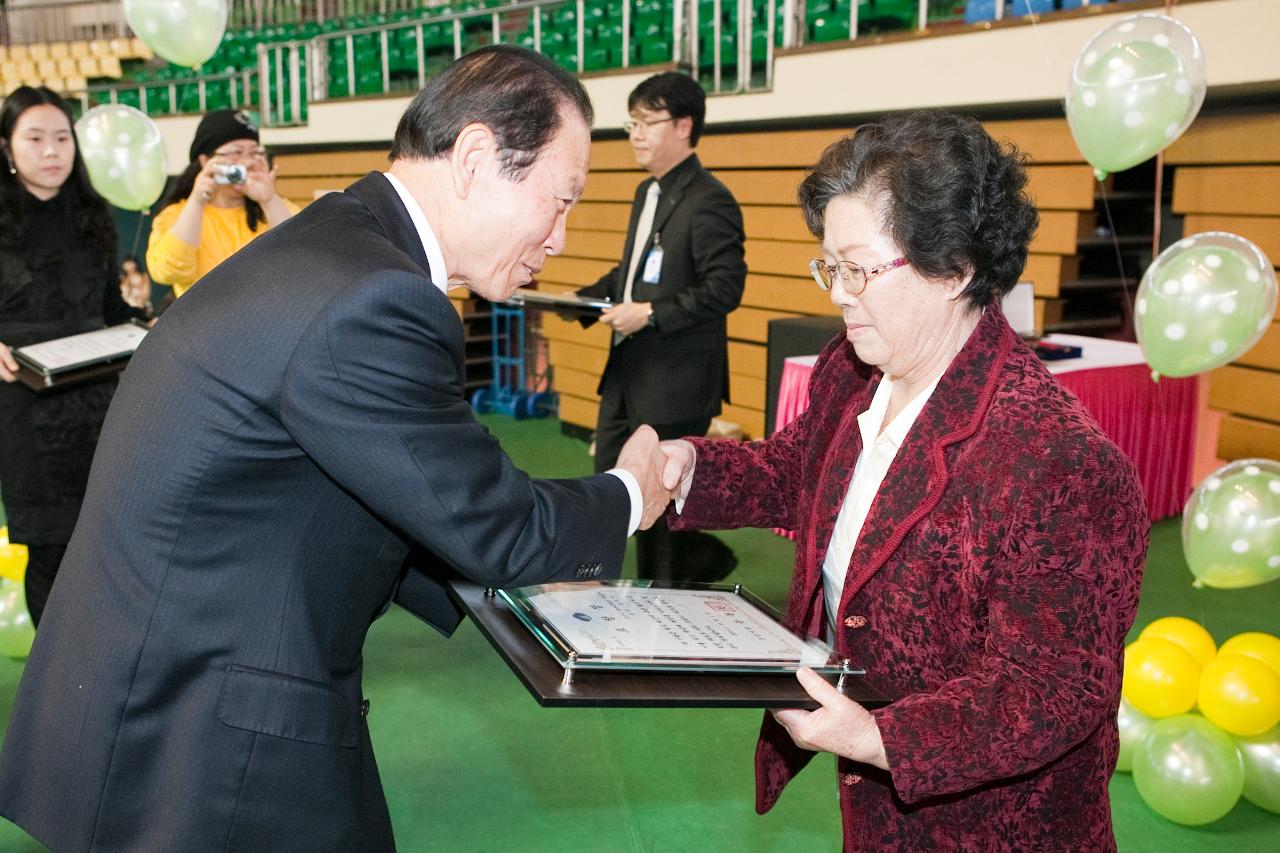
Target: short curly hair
(952,198)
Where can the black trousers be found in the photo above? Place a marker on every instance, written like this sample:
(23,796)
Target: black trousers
(661,553)
(42,566)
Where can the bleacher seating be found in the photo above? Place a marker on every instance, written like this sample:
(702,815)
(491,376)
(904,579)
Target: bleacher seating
(146,80)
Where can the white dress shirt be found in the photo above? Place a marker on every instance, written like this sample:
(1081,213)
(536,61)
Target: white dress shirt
(878,450)
(440,278)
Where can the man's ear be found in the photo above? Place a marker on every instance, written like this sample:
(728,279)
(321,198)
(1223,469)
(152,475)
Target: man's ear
(684,127)
(473,152)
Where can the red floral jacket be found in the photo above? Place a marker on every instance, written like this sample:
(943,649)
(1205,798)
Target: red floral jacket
(990,592)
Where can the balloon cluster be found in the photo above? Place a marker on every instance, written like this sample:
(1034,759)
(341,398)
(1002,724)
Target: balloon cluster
(16,630)
(1231,525)
(1193,768)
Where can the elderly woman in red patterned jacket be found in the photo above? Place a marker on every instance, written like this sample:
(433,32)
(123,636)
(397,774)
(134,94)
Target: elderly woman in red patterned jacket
(965,530)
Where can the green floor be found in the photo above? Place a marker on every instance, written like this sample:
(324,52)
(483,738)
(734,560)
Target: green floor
(470,763)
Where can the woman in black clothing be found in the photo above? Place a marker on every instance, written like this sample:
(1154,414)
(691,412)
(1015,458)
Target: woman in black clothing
(57,278)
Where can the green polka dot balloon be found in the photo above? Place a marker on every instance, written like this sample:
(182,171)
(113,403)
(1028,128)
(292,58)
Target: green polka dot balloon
(123,152)
(1231,526)
(1134,88)
(1206,300)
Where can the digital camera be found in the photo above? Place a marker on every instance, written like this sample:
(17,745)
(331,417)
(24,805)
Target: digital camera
(233,173)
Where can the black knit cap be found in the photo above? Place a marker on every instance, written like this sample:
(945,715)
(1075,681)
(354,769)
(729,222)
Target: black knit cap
(220,127)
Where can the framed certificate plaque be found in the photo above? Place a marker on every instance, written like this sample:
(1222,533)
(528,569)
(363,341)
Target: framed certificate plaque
(644,644)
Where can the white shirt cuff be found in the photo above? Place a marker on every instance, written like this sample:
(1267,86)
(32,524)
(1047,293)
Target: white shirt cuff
(637,497)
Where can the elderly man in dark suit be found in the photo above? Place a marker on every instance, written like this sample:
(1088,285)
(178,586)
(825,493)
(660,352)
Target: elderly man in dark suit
(280,443)
(681,273)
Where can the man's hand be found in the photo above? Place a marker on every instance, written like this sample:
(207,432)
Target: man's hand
(841,725)
(627,318)
(677,471)
(641,456)
(9,367)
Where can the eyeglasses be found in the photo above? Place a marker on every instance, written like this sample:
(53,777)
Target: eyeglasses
(631,124)
(853,278)
(235,155)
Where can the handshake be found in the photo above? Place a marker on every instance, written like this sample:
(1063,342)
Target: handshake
(664,470)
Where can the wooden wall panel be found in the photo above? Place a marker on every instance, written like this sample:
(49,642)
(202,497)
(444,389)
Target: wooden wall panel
(786,293)
(1244,438)
(751,420)
(1245,391)
(1233,190)
(752,324)
(601,216)
(746,391)
(780,257)
(1062,187)
(1239,138)
(1265,354)
(577,383)
(1049,271)
(579,412)
(1262,230)
(600,245)
(748,359)
(578,357)
(1058,232)
(579,271)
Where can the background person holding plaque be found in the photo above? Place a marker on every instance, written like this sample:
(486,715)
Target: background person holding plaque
(225,197)
(281,440)
(57,278)
(681,273)
(965,530)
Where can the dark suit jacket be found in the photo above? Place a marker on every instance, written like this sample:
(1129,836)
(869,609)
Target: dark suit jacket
(679,370)
(280,439)
(989,593)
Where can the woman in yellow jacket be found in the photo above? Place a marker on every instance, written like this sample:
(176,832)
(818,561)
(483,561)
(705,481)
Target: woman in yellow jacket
(225,198)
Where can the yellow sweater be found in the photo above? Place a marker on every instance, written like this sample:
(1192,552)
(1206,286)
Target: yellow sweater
(223,232)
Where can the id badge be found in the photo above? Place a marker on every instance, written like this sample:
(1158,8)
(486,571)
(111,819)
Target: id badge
(653,265)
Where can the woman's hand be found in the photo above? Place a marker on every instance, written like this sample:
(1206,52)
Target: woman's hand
(202,191)
(259,185)
(840,726)
(8,366)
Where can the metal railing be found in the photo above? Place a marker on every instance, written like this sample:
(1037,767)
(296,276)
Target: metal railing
(82,20)
(242,86)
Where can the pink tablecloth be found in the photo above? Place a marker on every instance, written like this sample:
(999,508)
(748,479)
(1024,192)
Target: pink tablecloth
(1154,423)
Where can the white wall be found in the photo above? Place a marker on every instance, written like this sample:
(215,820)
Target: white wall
(1011,64)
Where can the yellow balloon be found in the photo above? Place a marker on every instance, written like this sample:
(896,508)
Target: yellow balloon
(1160,677)
(1240,695)
(13,558)
(1185,632)
(1256,645)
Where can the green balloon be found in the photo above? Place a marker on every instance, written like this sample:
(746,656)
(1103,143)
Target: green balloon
(1231,525)
(124,152)
(1134,726)
(1261,754)
(1134,88)
(16,630)
(1203,302)
(1188,770)
(185,32)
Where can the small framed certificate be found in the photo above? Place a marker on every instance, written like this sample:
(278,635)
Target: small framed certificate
(563,302)
(78,358)
(641,625)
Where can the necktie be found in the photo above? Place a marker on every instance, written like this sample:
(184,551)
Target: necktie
(643,226)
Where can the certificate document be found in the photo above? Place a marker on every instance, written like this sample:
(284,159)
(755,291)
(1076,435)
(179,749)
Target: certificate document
(62,354)
(633,624)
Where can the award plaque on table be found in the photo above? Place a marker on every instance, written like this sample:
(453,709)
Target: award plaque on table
(565,303)
(648,644)
(78,358)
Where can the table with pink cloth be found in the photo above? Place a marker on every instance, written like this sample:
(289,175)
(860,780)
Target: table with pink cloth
(1154,423)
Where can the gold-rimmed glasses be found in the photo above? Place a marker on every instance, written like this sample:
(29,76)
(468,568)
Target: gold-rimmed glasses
(853,278)
(631,124)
